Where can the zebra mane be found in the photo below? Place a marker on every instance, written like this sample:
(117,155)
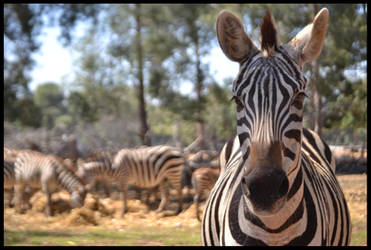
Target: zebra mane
(66,177)
(269,35)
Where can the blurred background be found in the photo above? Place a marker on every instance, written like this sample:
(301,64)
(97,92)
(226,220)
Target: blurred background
(83,77)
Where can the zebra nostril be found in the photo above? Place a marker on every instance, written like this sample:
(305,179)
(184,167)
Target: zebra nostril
(284,187)
(245,187)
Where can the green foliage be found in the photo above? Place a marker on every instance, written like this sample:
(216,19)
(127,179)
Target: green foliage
(79,108)
(28,113)
(64,121)
(174,40)
(48,95)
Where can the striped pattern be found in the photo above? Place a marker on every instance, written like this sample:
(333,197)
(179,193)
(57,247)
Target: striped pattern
(97,167)
(9,176)
(203,180)
(147,167)
(48,173)
(217,227)
(277,184)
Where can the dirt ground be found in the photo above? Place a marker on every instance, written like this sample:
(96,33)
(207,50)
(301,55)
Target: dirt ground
(99,213)
(104,213)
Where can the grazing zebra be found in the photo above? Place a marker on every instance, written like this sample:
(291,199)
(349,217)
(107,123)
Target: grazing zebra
(148,167)
(203,180)
(278,185)
(9,180)
(48,172)
(95,168)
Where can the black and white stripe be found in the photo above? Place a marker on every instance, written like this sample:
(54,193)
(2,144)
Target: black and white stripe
(148,167)
(96,168)
(48,173)
(203,180)
(277,184)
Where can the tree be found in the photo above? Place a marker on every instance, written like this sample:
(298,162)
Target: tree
(22,23)
(197,33)
(48,97)
(79,108)
(134,44)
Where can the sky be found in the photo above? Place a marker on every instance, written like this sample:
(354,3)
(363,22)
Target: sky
(54,63)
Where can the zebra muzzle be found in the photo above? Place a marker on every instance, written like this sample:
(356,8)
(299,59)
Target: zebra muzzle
(264,188)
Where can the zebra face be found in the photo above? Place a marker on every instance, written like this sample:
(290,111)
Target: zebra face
(269,92)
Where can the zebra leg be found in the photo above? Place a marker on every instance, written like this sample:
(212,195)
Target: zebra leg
(48,210)
(9,194)
(197,197)
(196,200)
(106,188)
(164,189)
(178,186)
(19,189)
(124,196)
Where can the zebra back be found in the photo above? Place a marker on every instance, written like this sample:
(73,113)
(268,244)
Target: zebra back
(96,164)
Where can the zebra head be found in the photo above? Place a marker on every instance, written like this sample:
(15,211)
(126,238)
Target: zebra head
(269,91)
(78,197)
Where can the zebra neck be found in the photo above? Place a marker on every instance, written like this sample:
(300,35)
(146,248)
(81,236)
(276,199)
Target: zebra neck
(68,180)
(287,219)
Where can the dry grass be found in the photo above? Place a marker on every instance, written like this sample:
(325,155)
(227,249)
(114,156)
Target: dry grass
(104,215)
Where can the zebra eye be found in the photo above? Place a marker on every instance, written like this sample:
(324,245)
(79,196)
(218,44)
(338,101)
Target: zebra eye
(299,99)
(237,100)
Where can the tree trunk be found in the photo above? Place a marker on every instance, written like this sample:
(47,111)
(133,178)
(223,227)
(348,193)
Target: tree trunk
(144,130)
(200,126)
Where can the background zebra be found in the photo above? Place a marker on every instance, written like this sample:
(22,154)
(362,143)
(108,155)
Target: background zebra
(148,167)
(97,168)
(278,186)
(203,180)
(48,173)
(10,155)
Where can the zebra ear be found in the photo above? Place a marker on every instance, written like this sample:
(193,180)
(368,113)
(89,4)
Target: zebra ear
(269,34)
(232,37)
(308,42)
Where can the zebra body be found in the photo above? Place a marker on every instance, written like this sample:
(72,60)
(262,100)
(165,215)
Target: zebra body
(148,167)
(9,177)
(203,180)
(97,167)
(277,184)
(48,173)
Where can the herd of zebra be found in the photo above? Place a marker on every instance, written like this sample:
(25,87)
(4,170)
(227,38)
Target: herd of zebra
(276,181)
(145,167)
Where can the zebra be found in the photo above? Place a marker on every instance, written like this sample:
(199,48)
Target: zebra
(48,172)
(196,160)
(95,168)
(203,180)
(9,180)
(10,154)
(278,185)
(148,167)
